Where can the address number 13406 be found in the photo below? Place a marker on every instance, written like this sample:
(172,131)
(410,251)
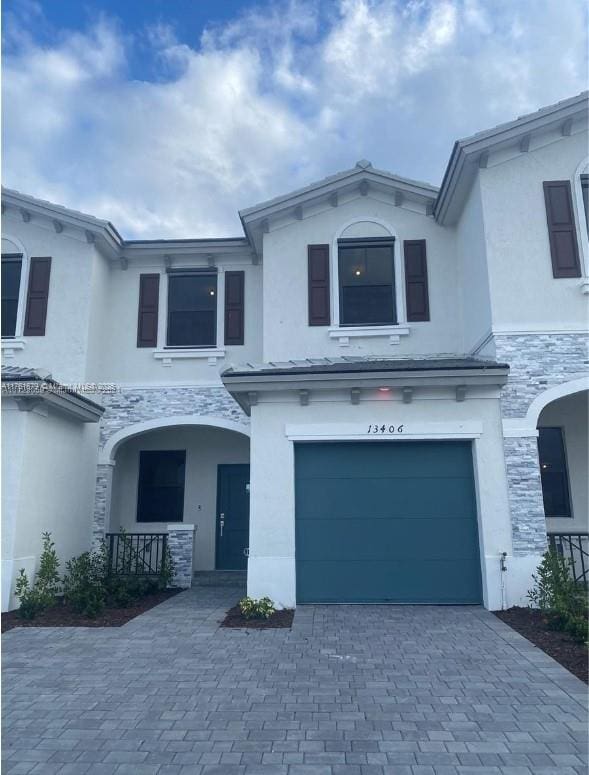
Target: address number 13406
(374,429)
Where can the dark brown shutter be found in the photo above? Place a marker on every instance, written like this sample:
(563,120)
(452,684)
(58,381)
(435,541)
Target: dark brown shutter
(234,307)
(149,292)
(37,295)
(561,228)
(319,314)
(416,280)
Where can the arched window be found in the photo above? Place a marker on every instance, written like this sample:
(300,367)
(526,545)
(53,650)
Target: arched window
(367,269)
(13,287)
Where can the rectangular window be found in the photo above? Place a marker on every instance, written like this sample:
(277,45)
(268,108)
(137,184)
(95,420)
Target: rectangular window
(192,309)
(585,192)
(160,495)
(11,271)
(366,282)
(554,473)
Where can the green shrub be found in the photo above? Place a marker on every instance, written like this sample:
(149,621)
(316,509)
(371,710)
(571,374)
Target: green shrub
(84,585)
(30,603)
(256,609)
(556,594)
(124,590)
(167,569)
(48,580)
(44,591)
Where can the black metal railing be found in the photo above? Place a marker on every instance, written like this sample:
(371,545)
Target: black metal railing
(575,548)
(136,554)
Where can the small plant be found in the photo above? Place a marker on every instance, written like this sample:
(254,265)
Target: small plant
(84,585)
(167,569)
(256,609)
(557,595)
(43,593)
(48,580)
(30,604)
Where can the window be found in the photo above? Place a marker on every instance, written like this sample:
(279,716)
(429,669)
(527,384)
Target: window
(161,486)
(553,471)
(366,282)
(585,193)
(192,309)
(11,271)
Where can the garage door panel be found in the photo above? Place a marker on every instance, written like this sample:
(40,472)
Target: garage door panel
(389,582)
(416,496)
(386,522)
(389,539)
(398,459)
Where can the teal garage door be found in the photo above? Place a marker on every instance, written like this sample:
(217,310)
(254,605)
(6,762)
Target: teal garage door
(386,522)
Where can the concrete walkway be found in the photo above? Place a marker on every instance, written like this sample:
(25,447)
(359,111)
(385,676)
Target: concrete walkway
(351,689)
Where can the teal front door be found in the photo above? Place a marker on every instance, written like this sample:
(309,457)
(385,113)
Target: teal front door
(233,516)
(386,522)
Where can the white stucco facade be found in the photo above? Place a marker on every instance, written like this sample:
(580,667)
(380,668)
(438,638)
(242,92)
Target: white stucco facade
(492,294)
(48,471)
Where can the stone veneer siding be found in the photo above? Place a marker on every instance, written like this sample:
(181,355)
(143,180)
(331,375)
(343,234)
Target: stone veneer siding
(128,407)
(181,545)
(537,363)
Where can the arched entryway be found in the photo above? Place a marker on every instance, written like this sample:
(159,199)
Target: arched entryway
(184,476)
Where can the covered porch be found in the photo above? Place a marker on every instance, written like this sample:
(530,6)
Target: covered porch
(563,454)
(186,486)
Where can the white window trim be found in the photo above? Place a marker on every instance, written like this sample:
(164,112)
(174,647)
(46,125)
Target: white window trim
(167,354)
(394,332)
(582,169)
(16,342)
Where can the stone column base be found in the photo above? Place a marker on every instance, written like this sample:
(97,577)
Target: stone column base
(181,543)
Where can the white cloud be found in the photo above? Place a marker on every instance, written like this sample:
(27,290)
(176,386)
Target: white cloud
(281,95)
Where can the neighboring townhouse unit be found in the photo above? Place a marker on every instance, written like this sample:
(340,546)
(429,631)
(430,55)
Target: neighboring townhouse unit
(378,394)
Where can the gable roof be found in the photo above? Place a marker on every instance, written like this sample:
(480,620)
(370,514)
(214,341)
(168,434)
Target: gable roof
(362,177)
(471,152)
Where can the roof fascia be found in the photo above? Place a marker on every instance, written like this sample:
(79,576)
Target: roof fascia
(86,223)
(335,184)
(468,150)
(241,386)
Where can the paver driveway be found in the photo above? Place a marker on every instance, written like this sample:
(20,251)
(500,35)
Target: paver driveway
(405,690)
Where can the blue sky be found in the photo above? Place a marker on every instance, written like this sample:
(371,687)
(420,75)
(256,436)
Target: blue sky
(167,116)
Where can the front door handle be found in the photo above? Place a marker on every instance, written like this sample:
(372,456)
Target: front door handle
(221,524)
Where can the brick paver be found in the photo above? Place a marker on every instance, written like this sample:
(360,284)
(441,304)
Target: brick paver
(351,690)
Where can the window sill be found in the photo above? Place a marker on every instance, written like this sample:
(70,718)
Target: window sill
(10,345)
(344,334)
(167,355)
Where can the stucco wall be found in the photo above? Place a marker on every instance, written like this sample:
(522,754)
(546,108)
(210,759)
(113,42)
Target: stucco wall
(524,294)
(286,331)
(127,363)
(473,280)
(206,448)
(63,350)
(49,466)
(571,414)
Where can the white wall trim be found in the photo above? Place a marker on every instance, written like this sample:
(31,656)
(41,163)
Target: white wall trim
(166,356)
(513,429)
(399,277)
(400,431)
(108,452)
(553,394)
(528,331)
(344,334)
(10,345)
